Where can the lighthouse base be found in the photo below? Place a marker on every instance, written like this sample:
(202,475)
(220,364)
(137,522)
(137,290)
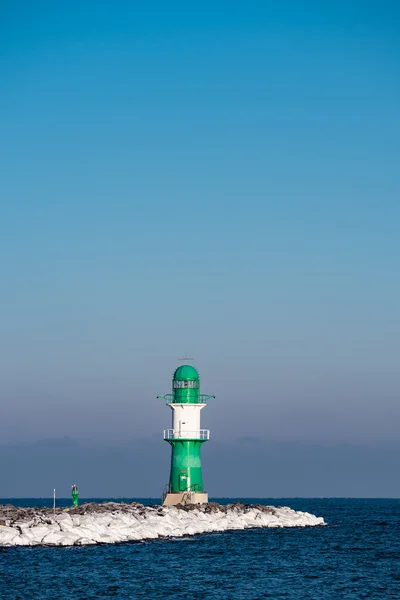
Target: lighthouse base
(185,498)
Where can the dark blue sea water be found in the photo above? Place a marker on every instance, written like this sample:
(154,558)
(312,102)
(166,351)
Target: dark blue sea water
(356,556)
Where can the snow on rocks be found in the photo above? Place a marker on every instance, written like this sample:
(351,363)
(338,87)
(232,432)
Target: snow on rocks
(113,522)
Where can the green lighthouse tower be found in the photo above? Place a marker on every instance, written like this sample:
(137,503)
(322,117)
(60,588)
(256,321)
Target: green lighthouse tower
(186,438)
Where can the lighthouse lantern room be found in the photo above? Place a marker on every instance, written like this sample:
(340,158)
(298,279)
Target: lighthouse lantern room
(186,438)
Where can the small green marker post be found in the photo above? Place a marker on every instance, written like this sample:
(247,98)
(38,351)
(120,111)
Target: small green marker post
(75,495)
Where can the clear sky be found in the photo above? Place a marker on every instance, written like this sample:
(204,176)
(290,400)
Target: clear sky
(213,178)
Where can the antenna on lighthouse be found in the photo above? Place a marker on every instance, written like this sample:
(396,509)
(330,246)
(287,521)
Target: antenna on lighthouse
(185,358)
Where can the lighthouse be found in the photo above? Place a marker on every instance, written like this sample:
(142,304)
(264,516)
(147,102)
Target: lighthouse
(186,438)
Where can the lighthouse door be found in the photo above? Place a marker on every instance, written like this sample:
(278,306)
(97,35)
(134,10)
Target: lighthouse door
(182,481)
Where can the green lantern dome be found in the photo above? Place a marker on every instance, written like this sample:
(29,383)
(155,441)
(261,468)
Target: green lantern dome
(186,373)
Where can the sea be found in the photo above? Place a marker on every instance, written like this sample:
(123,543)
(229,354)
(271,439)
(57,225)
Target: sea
(357,555)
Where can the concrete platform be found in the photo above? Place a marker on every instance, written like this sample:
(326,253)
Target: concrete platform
(185,498)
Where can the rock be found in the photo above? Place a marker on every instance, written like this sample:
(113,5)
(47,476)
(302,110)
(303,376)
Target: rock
(112,522)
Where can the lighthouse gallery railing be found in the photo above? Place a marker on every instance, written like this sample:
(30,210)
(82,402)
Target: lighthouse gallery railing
(200,434)
(201,399)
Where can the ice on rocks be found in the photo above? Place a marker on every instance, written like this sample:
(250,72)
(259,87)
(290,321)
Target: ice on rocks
(112,522)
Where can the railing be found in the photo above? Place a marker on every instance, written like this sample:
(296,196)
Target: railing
(166,491)
(170,399)
(194,488)
(200,434)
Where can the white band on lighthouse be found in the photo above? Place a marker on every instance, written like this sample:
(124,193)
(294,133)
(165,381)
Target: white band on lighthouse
(186,418)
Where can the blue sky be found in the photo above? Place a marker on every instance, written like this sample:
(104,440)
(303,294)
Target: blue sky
(218,179)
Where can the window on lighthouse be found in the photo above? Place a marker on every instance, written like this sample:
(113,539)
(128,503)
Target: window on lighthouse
(186,384)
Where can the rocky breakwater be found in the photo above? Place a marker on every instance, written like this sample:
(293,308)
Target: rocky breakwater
(112,522)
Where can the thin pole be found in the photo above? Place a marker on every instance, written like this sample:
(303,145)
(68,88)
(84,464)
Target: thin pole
(54,501)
